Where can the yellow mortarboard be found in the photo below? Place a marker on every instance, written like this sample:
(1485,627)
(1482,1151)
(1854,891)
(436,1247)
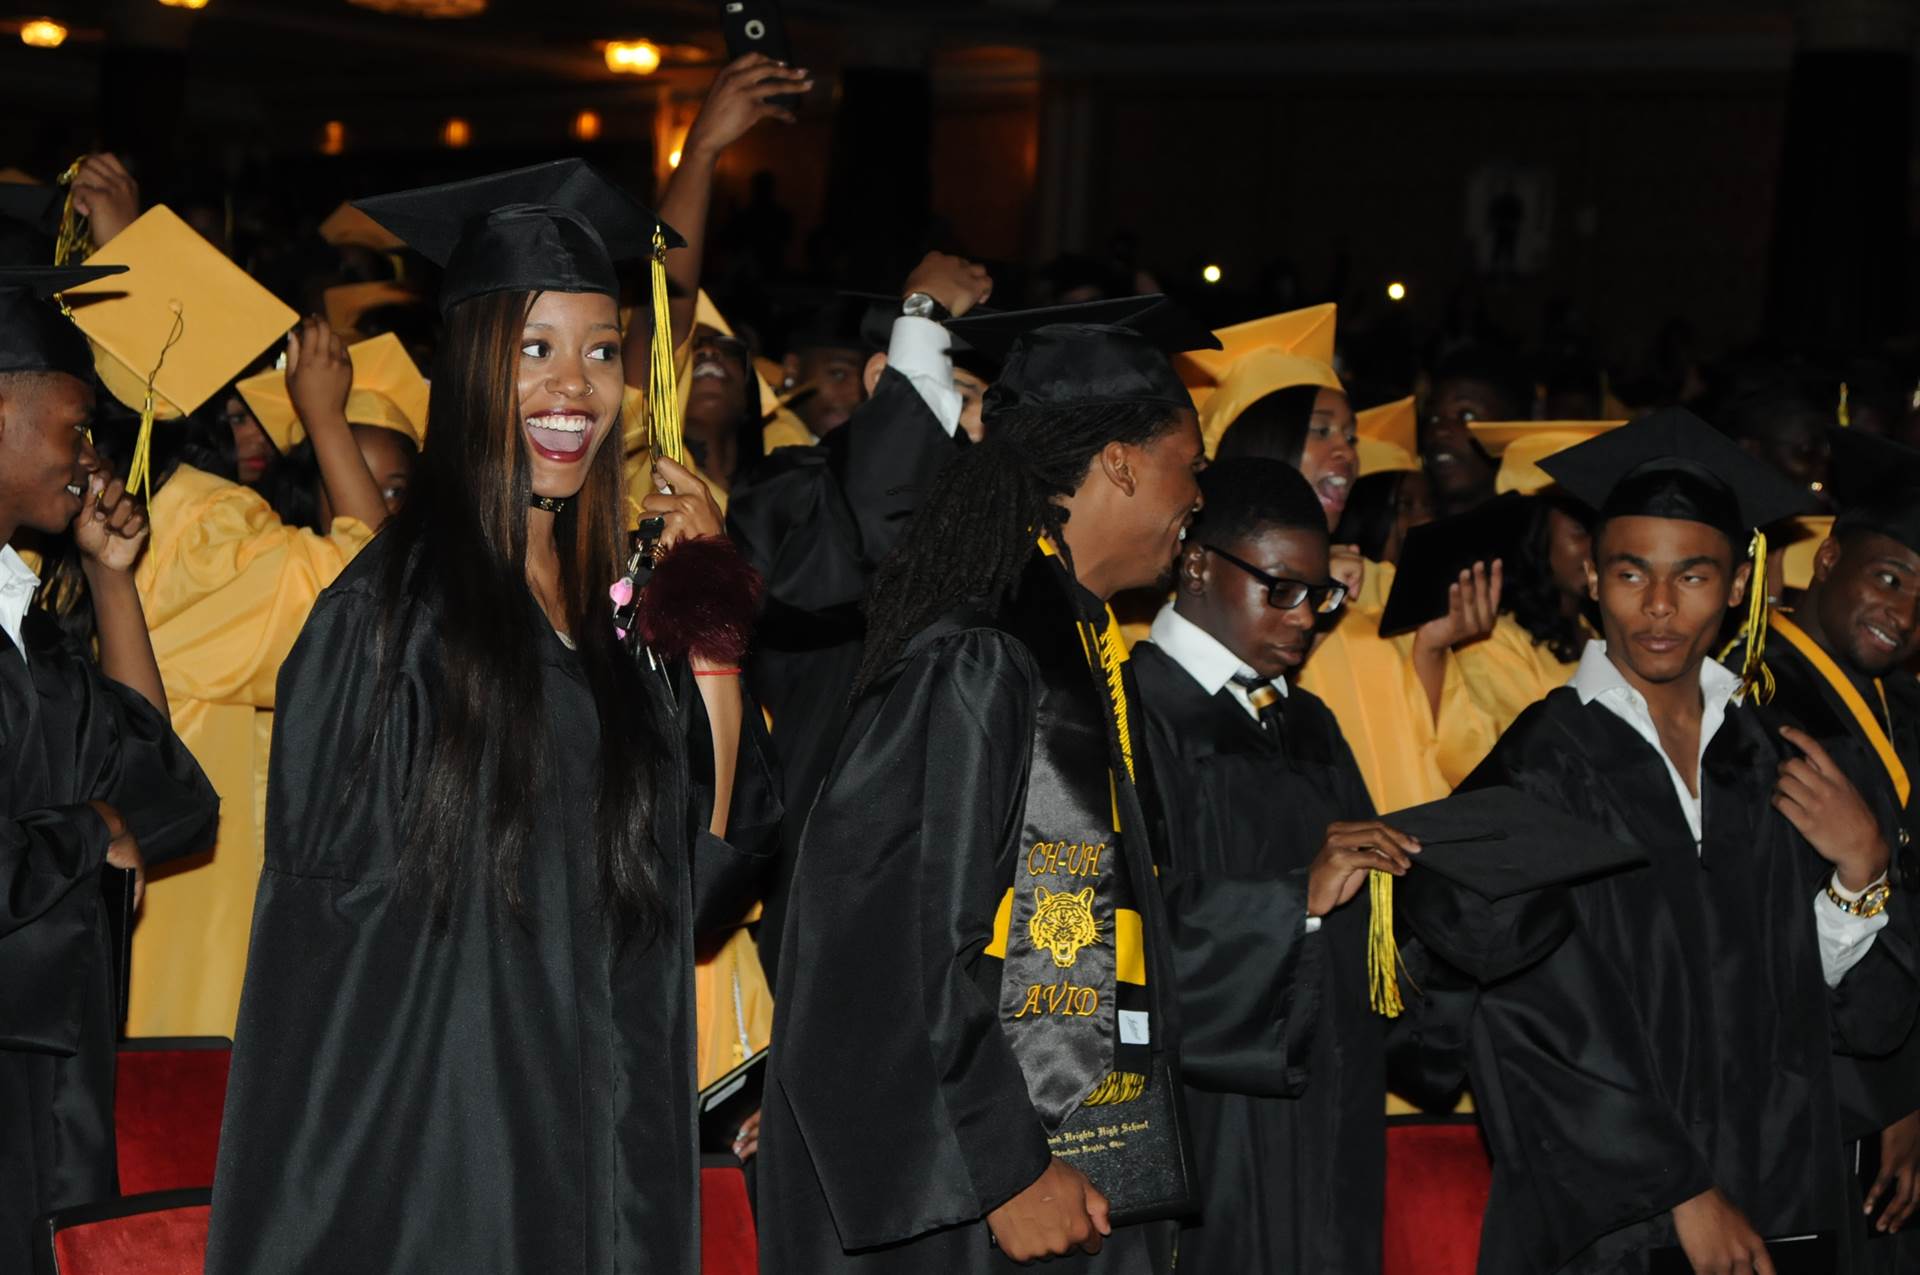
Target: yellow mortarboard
(1522,445)
(1797,564)
(346,302)
(1389,437)
(183,316)
(388,392)
(1256,359)
(348,227)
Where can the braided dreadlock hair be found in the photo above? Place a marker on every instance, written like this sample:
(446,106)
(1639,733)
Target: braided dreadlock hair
(976,530)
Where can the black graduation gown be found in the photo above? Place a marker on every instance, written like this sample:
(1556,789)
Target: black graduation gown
(69,736)
(506,1096)
(815,522)
(1291,1156)
(897,1115)
(1874,1092)
(1282,1055)
(1680,1035)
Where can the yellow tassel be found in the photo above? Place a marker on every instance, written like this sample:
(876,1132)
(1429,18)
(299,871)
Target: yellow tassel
(140,468)
(663,396)
(1845,417)
(1383,954)
(1756,679)
(74,241)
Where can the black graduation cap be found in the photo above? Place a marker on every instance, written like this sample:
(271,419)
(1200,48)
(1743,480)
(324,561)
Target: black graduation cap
(1498,842)
(34,335)
(1437,552)
(1672,464)
(32,205)
(1876,485)
(556,227)
(1112,351)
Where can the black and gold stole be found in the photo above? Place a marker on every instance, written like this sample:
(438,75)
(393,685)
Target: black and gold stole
(1073,990)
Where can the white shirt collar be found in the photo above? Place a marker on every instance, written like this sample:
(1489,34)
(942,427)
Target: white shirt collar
(17,585)
(1205,658)
(1599,679)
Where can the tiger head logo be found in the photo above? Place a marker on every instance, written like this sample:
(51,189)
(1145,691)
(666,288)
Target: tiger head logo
(1063,923)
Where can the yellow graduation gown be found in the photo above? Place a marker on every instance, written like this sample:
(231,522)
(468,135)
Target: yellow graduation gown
(1509,672)
(733,1007)
(226,588)
(1405,755)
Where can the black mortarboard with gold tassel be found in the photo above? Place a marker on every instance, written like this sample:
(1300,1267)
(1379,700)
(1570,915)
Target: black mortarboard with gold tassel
(563,227)
(1674,465)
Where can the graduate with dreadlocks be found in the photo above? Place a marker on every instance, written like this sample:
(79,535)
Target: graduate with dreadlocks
(976,952)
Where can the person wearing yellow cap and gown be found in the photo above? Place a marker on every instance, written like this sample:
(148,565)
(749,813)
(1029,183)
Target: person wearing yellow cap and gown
(225,584)
(1401,702)
(387,409)
(1545,614)
(1650,1050)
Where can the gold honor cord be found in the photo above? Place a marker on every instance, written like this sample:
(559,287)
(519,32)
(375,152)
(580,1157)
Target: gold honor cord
(663,408)
(74,240)
(1856,703)
(1756,679)
(140,470)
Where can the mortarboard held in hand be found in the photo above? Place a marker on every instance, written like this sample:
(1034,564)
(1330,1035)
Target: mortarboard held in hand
(182,324)
(1437,552)
(1505,852)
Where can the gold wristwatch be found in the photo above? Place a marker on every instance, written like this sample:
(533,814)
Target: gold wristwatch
(1870,903)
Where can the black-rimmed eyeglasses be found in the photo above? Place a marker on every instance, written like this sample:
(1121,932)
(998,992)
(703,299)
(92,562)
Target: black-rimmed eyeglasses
(1287,594)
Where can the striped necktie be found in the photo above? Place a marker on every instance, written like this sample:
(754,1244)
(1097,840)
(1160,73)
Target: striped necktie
(1265,699)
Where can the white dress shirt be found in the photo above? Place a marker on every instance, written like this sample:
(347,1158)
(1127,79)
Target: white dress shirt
(1204,658)
(920,350)
(1208,662)
(1844,938)
(17,585)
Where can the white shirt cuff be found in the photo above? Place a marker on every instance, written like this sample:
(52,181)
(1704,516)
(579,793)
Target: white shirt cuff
(918,350)
(1313,924)
(1844,938)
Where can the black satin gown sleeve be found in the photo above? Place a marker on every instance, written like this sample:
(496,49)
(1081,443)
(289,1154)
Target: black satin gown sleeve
(816,522)
(896,1105)
(74,736)
(69,736)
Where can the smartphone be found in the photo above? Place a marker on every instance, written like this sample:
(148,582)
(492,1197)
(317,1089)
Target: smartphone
(754,26)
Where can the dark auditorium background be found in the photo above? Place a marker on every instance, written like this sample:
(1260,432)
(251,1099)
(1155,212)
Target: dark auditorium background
(1621,176)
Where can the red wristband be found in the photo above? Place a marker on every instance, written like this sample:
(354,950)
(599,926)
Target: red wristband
(716,672)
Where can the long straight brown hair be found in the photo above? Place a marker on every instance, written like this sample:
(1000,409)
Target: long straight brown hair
(459,565)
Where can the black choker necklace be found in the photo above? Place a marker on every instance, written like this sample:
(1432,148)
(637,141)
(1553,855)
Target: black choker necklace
(551,504)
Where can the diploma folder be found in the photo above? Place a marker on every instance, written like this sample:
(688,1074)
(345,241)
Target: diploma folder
(1138,1153)
(727,1102)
